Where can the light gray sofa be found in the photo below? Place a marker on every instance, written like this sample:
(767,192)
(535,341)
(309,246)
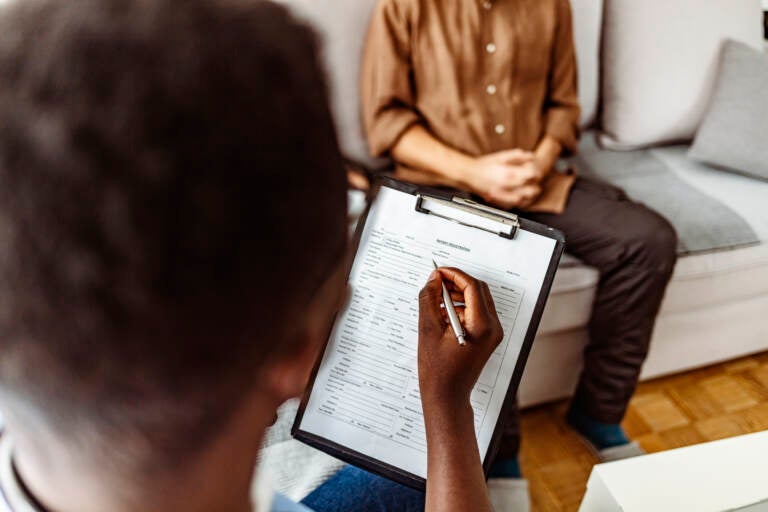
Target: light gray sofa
(716,307)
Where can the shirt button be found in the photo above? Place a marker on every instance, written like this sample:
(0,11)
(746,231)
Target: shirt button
(490,48)
(487,6)
(499,129)
(491,89)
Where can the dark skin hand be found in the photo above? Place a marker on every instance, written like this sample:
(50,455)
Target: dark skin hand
(447,374)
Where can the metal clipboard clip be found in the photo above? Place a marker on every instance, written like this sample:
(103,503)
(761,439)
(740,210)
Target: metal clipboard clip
(470,213)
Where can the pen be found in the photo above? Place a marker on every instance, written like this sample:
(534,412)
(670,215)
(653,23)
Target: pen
(458,330)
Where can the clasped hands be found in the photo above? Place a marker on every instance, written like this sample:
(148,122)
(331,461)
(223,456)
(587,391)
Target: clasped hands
(508,179)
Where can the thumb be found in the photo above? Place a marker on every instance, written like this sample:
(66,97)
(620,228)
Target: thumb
(430,298)
(515,156)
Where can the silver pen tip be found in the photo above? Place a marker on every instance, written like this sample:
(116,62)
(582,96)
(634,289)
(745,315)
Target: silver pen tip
(435,264)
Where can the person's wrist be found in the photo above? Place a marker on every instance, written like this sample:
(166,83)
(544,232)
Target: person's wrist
(471,176)
(543,166)
(444,398)
(465,166)
(546,155)
(446,411)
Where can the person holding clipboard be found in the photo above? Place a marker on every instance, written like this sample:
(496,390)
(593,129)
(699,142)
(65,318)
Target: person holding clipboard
(160,309)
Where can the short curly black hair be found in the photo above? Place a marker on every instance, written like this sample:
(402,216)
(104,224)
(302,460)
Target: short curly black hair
(171,191)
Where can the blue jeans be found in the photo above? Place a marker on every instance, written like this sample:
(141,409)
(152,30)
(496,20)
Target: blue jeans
(355,490)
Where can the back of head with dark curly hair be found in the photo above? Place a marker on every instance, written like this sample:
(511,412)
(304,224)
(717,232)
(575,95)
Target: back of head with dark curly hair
(170,193)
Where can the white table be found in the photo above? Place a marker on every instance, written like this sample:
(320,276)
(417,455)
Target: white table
(731,474)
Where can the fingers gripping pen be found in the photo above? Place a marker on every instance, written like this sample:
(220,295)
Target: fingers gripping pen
(453,317)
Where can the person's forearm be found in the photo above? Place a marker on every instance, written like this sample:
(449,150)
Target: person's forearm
(420,150)
(547,153)
(455,479)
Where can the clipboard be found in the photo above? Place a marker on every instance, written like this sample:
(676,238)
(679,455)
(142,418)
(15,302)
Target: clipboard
(445,206)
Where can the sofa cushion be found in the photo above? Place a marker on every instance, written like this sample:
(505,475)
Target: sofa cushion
(700,281)
(659,63)
(587,25)
(743,195)
(342,26)
(702,221)
(680,342)
(570,301)
(733,133)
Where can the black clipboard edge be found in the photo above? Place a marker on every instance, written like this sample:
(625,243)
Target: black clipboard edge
(530,335)
(376,466)
(362,461)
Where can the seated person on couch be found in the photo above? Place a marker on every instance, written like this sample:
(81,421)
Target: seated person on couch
(480,95)
(156,306)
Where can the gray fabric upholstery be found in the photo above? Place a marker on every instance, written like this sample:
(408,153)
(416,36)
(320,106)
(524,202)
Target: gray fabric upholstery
(744,195)
(587,23)
(734,133)
(702,222)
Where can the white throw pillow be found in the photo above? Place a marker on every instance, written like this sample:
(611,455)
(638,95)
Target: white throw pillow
(659,64)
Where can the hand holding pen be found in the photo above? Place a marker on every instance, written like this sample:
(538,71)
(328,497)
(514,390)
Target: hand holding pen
(447,370)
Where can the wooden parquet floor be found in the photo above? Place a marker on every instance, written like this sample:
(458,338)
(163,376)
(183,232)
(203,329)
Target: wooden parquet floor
(724,400)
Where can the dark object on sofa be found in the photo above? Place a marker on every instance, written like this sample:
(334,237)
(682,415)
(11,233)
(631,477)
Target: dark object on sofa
(765,24)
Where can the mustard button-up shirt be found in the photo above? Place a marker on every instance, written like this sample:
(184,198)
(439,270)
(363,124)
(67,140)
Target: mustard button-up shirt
(480,75)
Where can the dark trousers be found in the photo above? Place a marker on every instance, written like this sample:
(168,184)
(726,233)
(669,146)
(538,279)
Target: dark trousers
(634,250)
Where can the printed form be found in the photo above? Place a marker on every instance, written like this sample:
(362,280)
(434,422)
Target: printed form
(366,393)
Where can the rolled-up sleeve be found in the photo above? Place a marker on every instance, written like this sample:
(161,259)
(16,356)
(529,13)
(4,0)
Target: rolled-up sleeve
(387,90)
(562,107)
